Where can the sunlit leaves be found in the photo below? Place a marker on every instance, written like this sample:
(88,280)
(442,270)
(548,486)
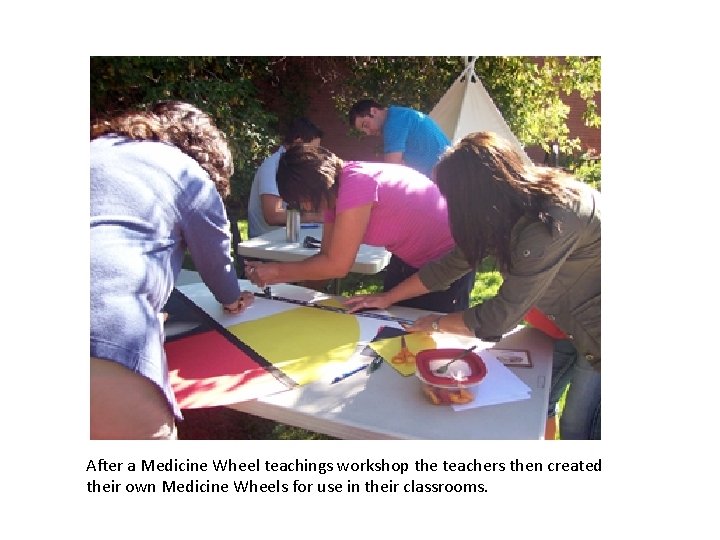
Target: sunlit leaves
(527,90)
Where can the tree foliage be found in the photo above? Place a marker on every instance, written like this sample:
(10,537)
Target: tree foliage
(252,97)
(223,87)
(412,81)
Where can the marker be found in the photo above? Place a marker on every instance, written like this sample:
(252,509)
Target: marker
(349,373)
(267,292)
(375,364)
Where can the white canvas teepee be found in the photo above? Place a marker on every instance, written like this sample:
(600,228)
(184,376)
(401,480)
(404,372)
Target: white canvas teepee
(467,107)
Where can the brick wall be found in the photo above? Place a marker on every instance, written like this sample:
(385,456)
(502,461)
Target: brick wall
(337,129)
(589,137)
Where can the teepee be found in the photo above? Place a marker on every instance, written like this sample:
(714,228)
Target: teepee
(467,107)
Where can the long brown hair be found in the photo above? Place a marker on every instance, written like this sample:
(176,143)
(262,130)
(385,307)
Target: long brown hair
(488,188)
(182,125)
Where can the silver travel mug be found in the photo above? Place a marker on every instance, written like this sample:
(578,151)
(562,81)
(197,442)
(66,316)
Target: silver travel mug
(292,226)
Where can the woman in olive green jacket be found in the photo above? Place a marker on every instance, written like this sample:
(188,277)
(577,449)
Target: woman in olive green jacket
(541,226)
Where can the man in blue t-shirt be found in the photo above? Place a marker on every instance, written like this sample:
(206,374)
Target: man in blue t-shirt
(409,136)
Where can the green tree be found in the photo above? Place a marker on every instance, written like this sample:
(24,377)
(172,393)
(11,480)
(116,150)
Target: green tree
(251,97)
(223,87)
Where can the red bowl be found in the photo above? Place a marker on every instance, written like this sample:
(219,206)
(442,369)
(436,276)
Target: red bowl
(452,386)
(468,371)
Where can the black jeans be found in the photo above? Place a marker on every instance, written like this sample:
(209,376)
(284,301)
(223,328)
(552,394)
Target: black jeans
(456,298)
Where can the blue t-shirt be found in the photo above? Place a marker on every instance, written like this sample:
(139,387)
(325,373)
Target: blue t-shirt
(416,135)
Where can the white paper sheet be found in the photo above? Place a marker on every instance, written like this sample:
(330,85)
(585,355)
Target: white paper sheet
(500,385)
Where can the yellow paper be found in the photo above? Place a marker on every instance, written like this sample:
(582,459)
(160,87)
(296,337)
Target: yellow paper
(416,342)
(304,343)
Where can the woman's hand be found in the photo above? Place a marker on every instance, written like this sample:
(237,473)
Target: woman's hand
(367,301)
(261,274)
(238,306)
(423,324)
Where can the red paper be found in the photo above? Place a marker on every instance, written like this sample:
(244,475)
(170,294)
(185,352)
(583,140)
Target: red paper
(207,370)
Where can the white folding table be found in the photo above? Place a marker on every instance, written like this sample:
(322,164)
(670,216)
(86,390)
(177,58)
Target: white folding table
(273,246)
(387,405)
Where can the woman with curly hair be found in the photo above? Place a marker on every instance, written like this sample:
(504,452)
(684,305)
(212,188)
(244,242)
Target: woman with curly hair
(542,227)
(157,180)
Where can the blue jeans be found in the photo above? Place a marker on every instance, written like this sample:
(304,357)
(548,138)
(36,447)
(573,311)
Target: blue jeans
(580,418)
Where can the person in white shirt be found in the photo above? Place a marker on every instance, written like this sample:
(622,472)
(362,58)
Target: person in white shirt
(266,209)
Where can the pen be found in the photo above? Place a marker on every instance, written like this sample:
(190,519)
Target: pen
(267,292)
(351,372)
(376,363)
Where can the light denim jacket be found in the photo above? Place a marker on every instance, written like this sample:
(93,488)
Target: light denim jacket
(148,203)
(558,271)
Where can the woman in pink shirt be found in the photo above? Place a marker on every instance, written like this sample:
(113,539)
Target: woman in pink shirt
(379,204)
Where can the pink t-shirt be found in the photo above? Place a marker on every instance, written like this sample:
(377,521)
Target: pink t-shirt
(408,216)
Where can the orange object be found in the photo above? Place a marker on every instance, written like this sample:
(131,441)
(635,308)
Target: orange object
(405,356)
(431,394)
(537,319)
(447,396)
(454,386)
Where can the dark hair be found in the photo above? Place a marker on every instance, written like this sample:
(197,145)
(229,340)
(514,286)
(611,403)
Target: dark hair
(308,173)
(303,129)
(488,188)
(181,124)
(361,109)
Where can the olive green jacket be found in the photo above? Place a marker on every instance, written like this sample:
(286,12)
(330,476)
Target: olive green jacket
(557,271)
